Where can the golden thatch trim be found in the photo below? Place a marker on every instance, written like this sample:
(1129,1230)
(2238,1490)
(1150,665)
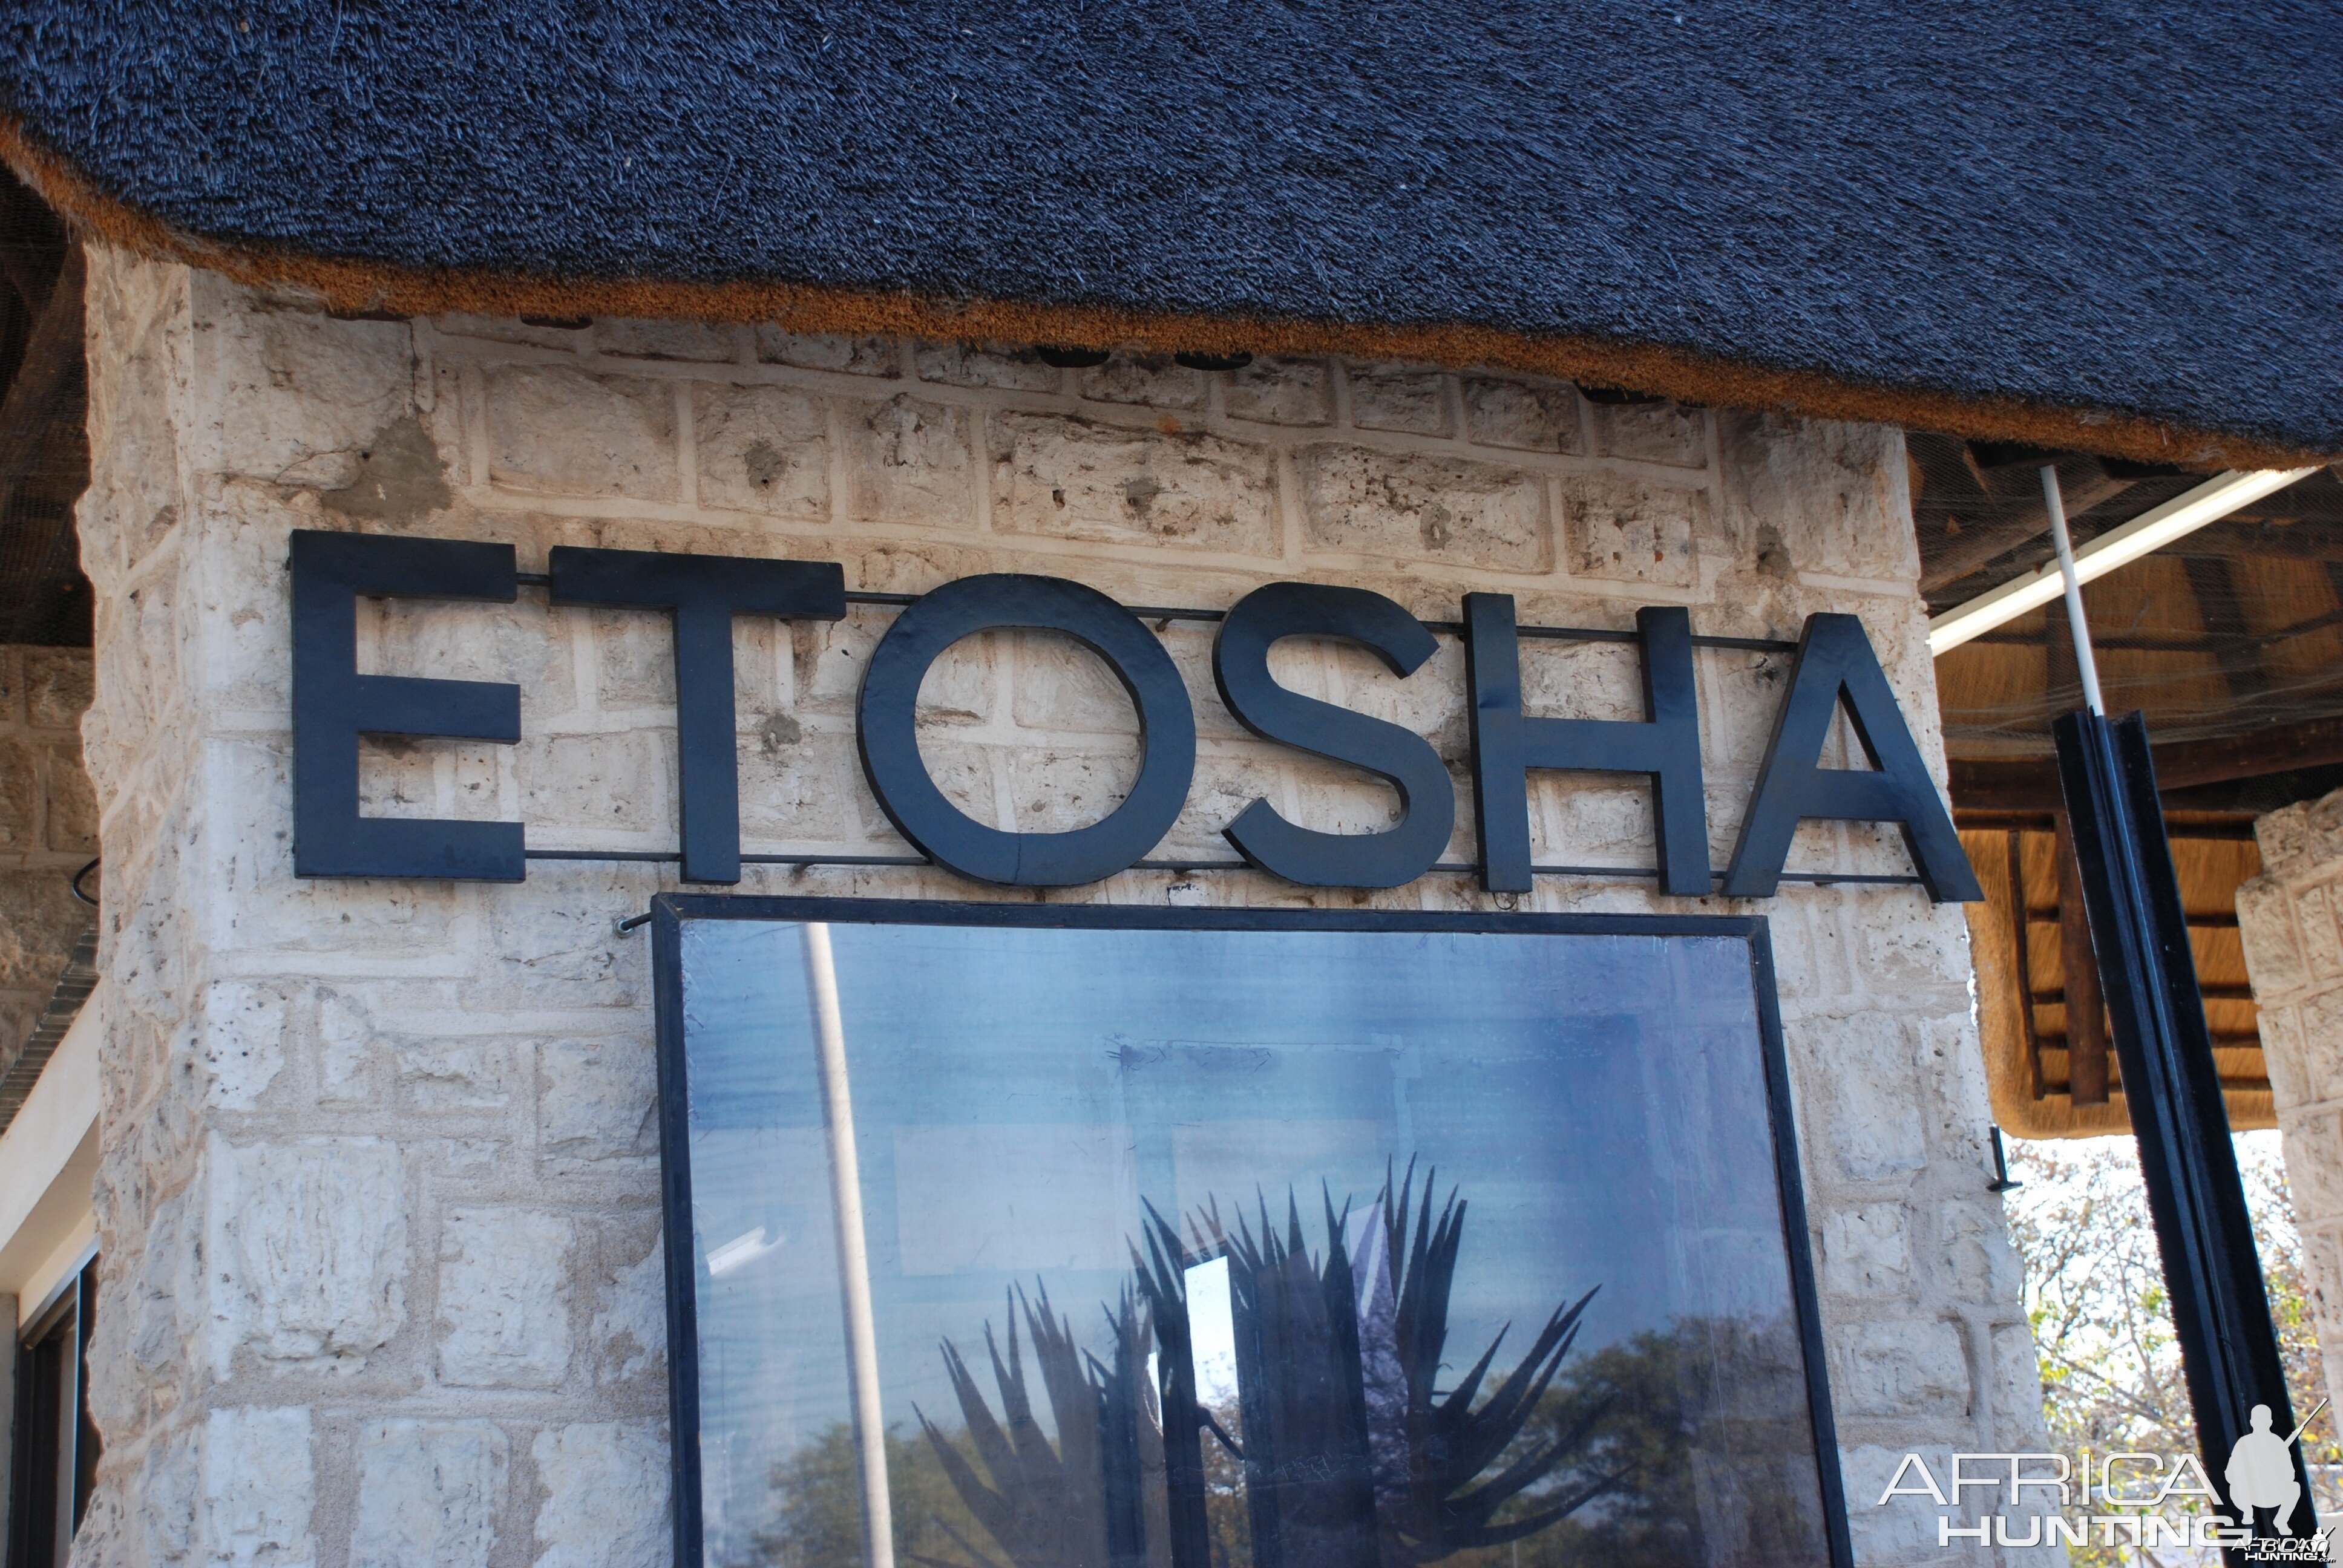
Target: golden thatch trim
(347,285)
(2008,1075)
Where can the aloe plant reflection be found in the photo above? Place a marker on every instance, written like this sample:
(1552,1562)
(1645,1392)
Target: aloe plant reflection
(1255,1405)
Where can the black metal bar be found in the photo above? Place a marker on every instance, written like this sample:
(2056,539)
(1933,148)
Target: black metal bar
(1459,868)
(2001,1182)
(2220,1311)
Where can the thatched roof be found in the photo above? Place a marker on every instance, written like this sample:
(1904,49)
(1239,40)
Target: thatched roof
(2106,226)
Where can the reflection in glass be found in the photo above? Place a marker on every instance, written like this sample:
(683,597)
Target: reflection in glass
(1296,1249)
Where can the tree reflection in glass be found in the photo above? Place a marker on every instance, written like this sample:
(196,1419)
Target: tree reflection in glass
(1334,1438)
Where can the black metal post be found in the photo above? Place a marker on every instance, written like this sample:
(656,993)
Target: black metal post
(2220,1311)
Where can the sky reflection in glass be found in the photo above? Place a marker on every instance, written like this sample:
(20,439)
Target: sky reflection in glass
(1031,1105)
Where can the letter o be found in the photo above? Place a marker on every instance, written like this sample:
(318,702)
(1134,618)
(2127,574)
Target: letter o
(886,731)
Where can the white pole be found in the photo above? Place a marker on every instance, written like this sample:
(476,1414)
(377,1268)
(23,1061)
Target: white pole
(853,1258)
(2084,663)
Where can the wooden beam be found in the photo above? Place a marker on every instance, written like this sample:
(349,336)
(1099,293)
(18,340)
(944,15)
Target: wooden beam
(1997,784)
(2085,485)
(2233,541)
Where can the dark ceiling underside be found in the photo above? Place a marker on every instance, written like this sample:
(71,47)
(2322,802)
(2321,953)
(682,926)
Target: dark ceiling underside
(2230,640)
(43,434)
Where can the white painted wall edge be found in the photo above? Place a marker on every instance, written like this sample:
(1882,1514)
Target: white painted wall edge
(2144,534)
(48,1160)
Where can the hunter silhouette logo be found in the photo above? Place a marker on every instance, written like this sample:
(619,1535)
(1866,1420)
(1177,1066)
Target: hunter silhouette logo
(2262,1470)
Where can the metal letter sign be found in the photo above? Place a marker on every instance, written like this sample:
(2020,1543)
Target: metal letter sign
(333,705)
(1835,661)
(1401,756)
(1505,745)
(890,745)
(703,593)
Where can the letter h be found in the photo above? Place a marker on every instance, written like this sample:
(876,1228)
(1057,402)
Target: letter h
(1506,744)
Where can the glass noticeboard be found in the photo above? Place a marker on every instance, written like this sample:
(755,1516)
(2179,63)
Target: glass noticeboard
(1031,1236)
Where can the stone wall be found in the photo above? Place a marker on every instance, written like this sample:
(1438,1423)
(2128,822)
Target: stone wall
(381,1277)
(2291,921)
(48,829)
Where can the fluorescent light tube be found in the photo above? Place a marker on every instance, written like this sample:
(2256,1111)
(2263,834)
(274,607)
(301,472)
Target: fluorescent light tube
(2143,535)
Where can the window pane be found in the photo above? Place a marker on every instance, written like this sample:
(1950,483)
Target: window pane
(1215,1249)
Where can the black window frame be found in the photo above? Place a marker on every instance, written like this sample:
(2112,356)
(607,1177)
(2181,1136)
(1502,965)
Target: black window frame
(669,912)
(54,1445)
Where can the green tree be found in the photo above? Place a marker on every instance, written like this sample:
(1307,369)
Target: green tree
(821,1493)
(2111,1375)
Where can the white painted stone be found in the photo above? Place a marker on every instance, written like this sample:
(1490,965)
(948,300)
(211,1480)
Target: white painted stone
(1365,502)
(243,1041)
(1399,397)
(599,1100)
(501,1273)
(1897,1366)
(429,1493)
(305,1242)
(1078,479)
(1528,416)
(605,1497)
(631,1328)
(1866,1251)
(259,1489)
(1631,531)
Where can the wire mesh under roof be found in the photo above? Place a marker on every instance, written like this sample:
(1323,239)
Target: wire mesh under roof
(2234,629)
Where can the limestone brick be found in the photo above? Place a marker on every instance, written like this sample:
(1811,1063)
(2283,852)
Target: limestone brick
(557,430)
(1078,479)
(1398,397)
(1150,379)
(910,462)
(49,829)
(56,686)
(598,1102)
(762,449)
(663,339)
(605,1497)
(1011,367)
(379,1180)
(1527,415)
(1653,432)
(243,1041)
(501,1273)
(2265,927)
(259,1488)
(2294,956)
(1281,392)
(856,356)
(1899,1364)
(1629,532)
(307,1242)
(1364,502)
(428,1492)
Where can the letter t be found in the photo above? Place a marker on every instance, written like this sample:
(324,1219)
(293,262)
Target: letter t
(704,593)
